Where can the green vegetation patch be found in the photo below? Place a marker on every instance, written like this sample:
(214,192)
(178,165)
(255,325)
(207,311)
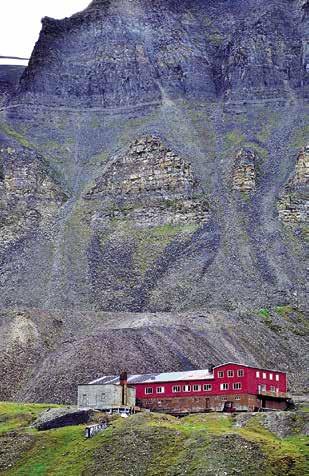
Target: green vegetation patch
(156,444)
(19,415)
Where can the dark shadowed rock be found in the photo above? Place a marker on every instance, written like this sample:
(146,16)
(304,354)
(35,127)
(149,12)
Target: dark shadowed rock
(59,417)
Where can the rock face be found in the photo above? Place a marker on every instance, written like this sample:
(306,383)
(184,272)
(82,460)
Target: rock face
(147,154)
(244,174)
(9,79)
(150,186)
(249,51)
(293,205)
(29,198)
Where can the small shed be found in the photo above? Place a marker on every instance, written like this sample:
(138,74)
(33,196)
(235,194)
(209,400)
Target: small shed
(98,396)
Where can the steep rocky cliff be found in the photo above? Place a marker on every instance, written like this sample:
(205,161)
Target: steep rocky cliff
(148,164)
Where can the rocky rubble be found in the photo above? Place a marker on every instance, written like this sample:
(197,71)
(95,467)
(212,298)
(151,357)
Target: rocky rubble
(282,424)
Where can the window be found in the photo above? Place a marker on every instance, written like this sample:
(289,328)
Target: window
(277,378)
(197,388)
(223,399)
(237,386)
(257,374)
(240,373)
(270,376)
(186,388)
(148,390)
(220,374)
(160,389)
(176,388)
(230,373)
(237,397)
(262,388)
(224,386)
(272,389)
(207,387)
(264,375)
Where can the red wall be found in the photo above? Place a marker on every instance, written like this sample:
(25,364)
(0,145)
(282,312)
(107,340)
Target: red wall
(249,383)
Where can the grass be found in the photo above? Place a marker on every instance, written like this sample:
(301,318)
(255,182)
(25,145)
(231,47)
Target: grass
(14,416)
(9,131)
(58,452)
(263,312)
(154,445)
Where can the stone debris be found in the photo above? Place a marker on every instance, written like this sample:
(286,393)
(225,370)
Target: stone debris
(282,424)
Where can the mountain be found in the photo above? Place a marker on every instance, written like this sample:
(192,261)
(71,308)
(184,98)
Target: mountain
(154,193)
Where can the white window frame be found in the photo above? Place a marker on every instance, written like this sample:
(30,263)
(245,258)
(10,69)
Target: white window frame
(207,387)
(176,389)
(230,373)
(264,376)
(277,377)
(240,373)
(186,388)
(272,388)
(237,386)
(197,388)
(148,391)
(237,397)
(220,373)
(257,374)
(224,398)
(271,376)
(224,386)
(160,390)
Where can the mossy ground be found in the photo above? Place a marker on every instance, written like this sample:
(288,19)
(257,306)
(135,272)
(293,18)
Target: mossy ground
(153,444)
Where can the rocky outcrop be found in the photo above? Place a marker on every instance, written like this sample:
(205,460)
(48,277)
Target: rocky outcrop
(244,171)
(282,424)
(163,223)
(29,197)
(59,417)
(293,204)
(149,185)
(242,50)
(9,78)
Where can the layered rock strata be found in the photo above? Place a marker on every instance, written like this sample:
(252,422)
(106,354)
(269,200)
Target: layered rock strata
(244,171)
(150,185)
(29,197)
(293,205)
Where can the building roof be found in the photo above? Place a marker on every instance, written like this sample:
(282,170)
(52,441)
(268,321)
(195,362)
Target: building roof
(156,377)
(170,376)
(250,367)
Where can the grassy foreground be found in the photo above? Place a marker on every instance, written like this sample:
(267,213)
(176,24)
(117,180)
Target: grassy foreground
(147,444)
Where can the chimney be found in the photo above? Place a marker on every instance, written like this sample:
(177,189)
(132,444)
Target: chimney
(124,384)
(211,368)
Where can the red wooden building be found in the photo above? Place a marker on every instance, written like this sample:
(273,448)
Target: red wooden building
(228,387)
